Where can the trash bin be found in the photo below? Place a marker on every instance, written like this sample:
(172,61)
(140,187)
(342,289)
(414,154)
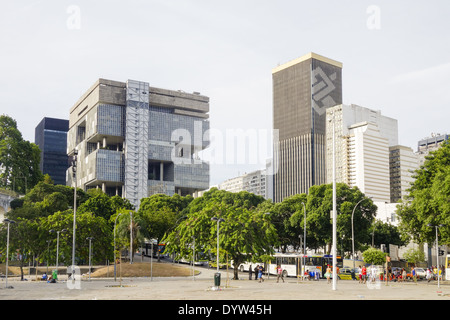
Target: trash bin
(217,279)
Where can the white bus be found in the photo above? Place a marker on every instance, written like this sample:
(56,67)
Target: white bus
(447,267)
(292,264)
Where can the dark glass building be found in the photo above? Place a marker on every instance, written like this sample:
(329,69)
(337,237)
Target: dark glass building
(302,91)
(51,137)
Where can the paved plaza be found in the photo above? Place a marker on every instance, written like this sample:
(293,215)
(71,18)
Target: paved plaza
(202,288)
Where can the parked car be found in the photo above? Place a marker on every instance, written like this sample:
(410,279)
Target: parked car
(345,273)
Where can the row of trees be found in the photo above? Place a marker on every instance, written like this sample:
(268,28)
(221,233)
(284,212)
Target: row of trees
(252,226)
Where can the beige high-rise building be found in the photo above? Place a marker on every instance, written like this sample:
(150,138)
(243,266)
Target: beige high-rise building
(362,140)
(402,164)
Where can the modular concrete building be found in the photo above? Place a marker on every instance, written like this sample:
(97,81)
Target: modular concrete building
(135,140)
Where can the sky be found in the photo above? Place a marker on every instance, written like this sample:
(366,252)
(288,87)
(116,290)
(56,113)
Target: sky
(395,57)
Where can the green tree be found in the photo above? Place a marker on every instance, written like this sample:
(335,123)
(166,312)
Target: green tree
(24,241)
(129,225)
(246,230)
(414,256)
(386,233)
(428,199)
(162,211)
(19,159)
(319,204)
(374,256)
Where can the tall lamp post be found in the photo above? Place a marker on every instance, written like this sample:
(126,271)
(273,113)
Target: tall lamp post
(304,237)
(437,248)
(115,222)
(219,220)
(7,251)
(57,245)
(131,237)
(353,233)
(74,172)
(90,253)
(333,249)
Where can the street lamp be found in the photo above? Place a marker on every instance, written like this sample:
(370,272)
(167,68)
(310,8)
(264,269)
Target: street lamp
(219,220)
(7,251)
(90,252)
(353,234)
(115,222)
(131,237)
(74,172)
(334,208)
(304,238)
(437,248)
(57,244)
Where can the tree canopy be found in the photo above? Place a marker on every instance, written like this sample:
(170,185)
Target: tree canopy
(428,201)
(19,159)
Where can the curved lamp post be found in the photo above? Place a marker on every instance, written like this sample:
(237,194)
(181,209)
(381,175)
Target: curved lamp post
(219,220)
(353,234)
(57,245)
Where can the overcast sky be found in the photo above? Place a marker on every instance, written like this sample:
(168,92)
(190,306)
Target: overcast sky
(395,55)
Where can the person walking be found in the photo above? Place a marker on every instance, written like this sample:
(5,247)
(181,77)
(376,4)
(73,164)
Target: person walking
(364,274)
(413,271)
(360,274)
(403,274)
(328,274)
(428,274)
(260,274)
(256,271)
(279,273)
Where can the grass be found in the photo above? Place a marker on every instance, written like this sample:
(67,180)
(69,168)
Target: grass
(137,269)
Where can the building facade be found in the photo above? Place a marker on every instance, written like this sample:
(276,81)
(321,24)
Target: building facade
(302,91)
(402,164)
(135,140)
(51,137)
(426,145)
(362,140)
(254,182)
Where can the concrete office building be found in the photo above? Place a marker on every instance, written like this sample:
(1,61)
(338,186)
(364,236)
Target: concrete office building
(402,164)
(302,91)
(254,182)
(51,137)
(135,140)
(362,140)
(426,145)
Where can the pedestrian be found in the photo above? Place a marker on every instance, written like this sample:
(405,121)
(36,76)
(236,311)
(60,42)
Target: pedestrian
(256,271)
(360,274)
(428,274)
(403,274)
(364,274)
(328,274)
(279,273)
(413,272)
(260,274)
(250,270)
